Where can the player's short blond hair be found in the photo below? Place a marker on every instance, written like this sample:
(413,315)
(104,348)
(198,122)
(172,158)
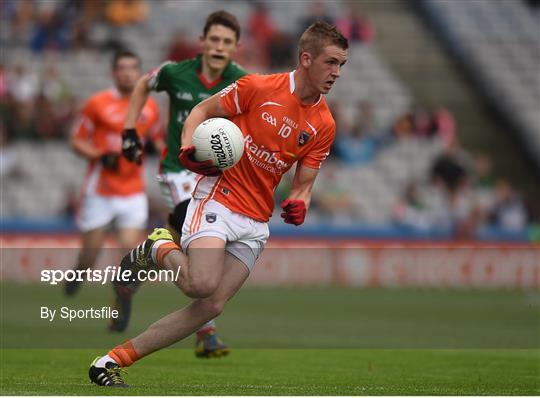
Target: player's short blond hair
(319,35)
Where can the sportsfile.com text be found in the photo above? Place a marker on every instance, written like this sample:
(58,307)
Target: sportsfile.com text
(108,274)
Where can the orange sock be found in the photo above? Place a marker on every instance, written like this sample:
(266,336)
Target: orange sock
(163,250)
(124,354)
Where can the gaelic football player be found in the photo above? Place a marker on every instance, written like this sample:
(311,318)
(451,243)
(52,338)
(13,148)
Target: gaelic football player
(226,222)
(186,83)
(113,189)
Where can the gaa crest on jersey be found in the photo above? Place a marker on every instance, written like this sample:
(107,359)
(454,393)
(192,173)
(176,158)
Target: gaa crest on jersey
(303,138)
(211,217)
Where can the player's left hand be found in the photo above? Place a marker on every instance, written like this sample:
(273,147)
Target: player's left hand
(109,160)
(131,146)
(187,160)
(294,211)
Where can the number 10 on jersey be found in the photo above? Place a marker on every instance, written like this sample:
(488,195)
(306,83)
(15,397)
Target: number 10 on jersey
(284,131)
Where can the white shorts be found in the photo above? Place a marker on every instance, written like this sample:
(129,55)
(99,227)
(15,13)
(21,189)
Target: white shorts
(97,211)
(245,237)
(176,187)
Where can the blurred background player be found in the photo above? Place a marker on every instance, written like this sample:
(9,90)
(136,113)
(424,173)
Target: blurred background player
(113,190)
(187,83)
(226,225)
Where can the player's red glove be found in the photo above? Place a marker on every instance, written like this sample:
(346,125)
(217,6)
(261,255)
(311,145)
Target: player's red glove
(206,168)
(294,211)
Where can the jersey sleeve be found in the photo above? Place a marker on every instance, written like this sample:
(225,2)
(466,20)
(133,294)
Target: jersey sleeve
(159,78)
(239,96)
(85,123)
(321,149)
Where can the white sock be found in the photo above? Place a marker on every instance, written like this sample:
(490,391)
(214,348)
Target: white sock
(103,360)
(209,324)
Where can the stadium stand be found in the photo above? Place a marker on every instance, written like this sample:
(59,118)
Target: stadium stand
(499,42)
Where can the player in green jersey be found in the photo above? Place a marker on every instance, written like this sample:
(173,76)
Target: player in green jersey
(186,83)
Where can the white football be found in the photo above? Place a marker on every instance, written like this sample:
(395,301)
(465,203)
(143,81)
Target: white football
(220,141)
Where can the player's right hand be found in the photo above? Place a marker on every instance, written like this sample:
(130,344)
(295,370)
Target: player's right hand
(294,211)
(131,146)
(207,168)
(109,160)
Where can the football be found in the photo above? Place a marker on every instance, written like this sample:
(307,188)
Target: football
(220,141)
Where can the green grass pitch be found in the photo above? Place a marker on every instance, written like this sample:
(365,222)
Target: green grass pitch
(288,341)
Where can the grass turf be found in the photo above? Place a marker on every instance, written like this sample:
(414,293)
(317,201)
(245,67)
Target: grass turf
(288,341)
(283,372)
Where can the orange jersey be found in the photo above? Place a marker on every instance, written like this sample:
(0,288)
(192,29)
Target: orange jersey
(279,130)
(102,122)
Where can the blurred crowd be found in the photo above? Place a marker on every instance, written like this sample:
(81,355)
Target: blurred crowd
(40,104)
(35,106)
(460,193)
(66,25)
(266,48)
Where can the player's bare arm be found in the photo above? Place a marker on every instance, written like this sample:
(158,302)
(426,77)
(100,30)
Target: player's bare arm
(296,205)
(303,181)
(136,102)
(211,107)
(159,144)
(131,144)
(85,148)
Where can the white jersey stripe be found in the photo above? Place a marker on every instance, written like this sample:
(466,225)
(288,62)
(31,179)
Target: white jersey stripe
(291,82)
(312,128)
(236,102)
(270,103)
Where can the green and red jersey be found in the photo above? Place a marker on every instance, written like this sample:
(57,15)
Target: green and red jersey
(186,87)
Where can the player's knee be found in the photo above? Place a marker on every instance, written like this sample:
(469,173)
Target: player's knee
(201,288)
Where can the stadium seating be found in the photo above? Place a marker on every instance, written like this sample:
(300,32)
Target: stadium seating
(499,41)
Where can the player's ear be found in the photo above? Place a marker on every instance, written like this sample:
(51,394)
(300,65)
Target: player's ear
(305,59)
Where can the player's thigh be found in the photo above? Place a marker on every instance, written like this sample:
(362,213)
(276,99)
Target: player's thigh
(206,258)
(94,213)
(130,237)
(234,275)
(93,238)
(249,247)
(131,212)
(91,242)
